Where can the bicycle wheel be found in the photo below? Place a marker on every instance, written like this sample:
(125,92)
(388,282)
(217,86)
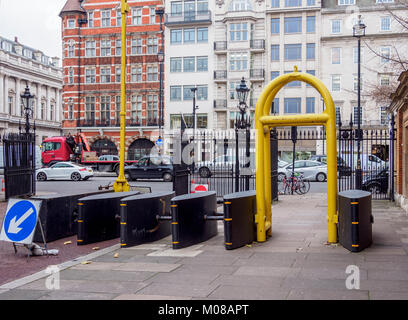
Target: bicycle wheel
(303,187)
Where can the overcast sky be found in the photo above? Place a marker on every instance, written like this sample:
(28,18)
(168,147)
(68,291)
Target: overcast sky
(34,22)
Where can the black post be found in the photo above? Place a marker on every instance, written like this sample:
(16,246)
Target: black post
(294,139)
(391,158)
(236,157)
(358,135)
(248,154)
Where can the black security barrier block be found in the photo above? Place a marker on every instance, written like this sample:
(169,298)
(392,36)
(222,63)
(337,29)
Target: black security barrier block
(189,225)
(239,219)
(99,217)
(145,218)
(355,220)
(59,214)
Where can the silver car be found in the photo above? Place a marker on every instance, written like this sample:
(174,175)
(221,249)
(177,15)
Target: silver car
(64,171)
(311,170)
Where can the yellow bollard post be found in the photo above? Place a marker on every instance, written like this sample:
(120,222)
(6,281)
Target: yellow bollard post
(121,184)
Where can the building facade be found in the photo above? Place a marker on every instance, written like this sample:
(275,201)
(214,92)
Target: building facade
(22,66)
(91,36)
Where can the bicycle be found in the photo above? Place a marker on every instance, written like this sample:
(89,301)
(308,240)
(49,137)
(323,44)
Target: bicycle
(294,183)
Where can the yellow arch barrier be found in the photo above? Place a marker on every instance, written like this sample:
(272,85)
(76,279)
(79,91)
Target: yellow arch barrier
(264,122)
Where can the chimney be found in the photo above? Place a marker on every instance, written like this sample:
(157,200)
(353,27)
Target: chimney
(15,39)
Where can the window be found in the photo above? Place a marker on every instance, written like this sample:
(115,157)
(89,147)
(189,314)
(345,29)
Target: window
(71,50)
(136,73)
(355,54)
(152,73)
(152,45)
(310,51)
(346,2)
(355,115)
(118,49)
(7,46)
(189,8)
(152,15)
(105,109)
(240,5)
(293,83)
(275,106)
(293,105)
(310,3)
(355,82)
(275,22)
(118,18)
(384,80)
(105,48)
(175,93)
(201,121)
(275,52)
(293,52)
(385,23)
(335,82)
(274,74)
(117,105)
(202,93)
(202,64)
(152,109)
(90,75)
(238,61)
(313,73)
(137,46)
(383,115)
(105,74)
(175,36)
(136,112)
(338,115)
(189,64)
(187,93)
(90,48)
(310,105)
(202,6)
(275,4)
(137,16)
(293,25)
(385,1)
(71,75)
(310,24)
(238,32)
(189,35)
(176,65)
(176,8)
(105,18)
(335,26)
(70,110)
(71,24)
(385,53)
(90,108)
(293,3)
(202,35)
(336,55)
(232,89)
(118,74)
(90,19)
(42,111)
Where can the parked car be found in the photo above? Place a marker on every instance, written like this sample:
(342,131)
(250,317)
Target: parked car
(311,170)
(64,171)
(108,157)
(221,163)
(376,182)
(151,167)
(342,168)
(282,163)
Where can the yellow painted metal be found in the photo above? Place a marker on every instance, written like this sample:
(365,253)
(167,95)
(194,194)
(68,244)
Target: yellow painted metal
(121,184)
(264,122)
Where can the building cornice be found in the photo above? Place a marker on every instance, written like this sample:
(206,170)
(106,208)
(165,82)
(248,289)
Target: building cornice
(368,37)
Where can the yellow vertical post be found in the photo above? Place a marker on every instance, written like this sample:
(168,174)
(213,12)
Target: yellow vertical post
(121,183)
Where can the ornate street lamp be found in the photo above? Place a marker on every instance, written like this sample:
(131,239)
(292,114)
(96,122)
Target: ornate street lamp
(28,111)
(359,32)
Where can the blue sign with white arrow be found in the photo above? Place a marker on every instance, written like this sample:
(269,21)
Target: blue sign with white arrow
(159,142)
(20,221)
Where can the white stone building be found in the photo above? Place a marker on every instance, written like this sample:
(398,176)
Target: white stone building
(21,66)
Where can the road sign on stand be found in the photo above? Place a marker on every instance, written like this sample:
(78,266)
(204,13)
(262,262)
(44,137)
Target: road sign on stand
(159,142)
(20,221)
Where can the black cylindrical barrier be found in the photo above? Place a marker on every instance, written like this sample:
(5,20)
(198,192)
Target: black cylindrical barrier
(99,217)
(59,214)
(189,224)
(239,219)
(355,219)
(144,218)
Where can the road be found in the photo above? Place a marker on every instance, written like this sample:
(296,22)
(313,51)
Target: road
(64,186)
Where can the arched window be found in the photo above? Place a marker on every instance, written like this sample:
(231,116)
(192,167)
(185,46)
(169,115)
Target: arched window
(103,147)
(240,5)
(139,148)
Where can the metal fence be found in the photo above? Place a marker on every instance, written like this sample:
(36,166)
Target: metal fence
(19,164)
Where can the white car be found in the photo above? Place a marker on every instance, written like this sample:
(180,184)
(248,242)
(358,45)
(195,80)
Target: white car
(311,170)
(64,171)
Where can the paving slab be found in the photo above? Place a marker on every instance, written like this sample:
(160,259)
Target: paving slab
(172,289)
(236,292)
(149,297)
(327,294)
(144,266)
(75,295)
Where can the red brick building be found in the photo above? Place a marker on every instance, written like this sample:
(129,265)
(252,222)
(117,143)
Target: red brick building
(91,37)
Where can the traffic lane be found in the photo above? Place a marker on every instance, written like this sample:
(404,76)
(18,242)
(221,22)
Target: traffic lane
(64,186)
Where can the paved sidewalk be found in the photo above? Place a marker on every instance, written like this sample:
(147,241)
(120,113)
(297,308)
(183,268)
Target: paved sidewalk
(294,264)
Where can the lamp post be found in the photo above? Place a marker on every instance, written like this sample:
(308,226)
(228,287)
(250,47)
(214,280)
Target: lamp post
(358,32)
(28,111)
(242,122)
(194,90)
(160,57)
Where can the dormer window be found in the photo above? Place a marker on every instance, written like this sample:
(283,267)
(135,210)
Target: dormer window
(28,53)
(240,5)
(7,46)
(44,59)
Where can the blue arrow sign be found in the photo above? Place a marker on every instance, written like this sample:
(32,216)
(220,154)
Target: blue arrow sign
(20,221)
(159,142)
